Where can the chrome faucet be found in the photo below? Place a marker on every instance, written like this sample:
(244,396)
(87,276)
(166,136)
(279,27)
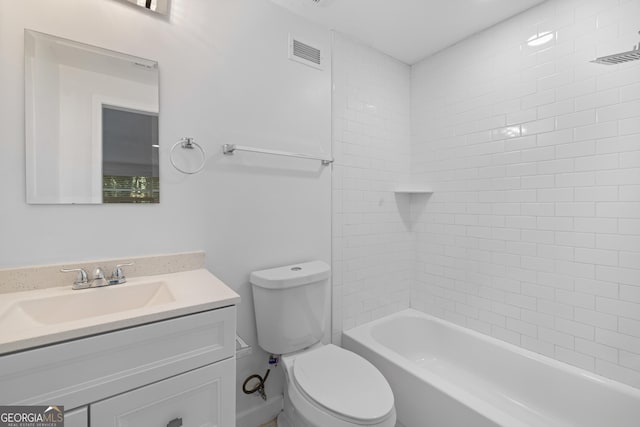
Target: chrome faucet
(82,279)
(98,278)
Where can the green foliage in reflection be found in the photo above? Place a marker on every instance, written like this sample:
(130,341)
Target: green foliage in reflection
(130,189)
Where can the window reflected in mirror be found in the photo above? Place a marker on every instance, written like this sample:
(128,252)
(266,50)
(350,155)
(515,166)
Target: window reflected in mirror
(91,124)
(160,6)
(130,172)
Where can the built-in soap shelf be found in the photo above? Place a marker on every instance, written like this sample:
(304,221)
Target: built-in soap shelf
(413,190)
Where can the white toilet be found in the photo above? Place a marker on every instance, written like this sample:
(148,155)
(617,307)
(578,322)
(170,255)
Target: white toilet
(326,386)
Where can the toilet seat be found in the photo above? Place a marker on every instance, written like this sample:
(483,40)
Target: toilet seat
(344,384)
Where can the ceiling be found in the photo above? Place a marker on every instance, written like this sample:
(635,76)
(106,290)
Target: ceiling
(408,30)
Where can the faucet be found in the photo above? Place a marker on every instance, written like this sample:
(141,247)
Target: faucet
(98,278)
(82,279)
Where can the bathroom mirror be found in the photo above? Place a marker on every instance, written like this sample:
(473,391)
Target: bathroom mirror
(91,118)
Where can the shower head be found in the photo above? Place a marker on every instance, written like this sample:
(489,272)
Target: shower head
(619,58)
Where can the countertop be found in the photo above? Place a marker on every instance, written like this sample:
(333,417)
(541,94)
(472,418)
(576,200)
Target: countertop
(178,294)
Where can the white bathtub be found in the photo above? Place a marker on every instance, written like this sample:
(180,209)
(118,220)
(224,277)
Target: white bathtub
(443,375)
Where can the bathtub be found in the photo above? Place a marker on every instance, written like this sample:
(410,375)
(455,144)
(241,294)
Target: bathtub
(443,375)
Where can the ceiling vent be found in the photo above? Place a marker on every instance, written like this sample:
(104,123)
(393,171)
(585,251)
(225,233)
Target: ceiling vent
(304,53)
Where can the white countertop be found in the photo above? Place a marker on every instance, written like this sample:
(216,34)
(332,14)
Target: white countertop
(41,317)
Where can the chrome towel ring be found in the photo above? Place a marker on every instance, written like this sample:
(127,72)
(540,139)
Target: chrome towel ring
(189,144)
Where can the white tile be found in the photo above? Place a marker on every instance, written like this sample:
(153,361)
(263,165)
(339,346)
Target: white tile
(596,256)
(618,242)
(576,209)
(595,318)
(535,223)
(600,193)
(596,131)
(617,307)
(618,209)
(617,340)
(575,358)
(575,150)
(622,275)
(630,159)
(618,111)
(578,240)
(597,287)
(630,293)
(596,350)
(597,99)
(555,195)
(577,179)
(629,327)
(629,126)
(629,226)
(599,162)
(581,118)
(618,373)
(630,360)
(556,337)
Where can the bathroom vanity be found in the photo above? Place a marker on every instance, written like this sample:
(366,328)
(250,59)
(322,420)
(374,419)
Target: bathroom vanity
(168,360)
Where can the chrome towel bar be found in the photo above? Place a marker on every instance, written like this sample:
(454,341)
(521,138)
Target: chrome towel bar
(229,149)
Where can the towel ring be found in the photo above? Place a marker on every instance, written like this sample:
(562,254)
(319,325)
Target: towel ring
(188,143)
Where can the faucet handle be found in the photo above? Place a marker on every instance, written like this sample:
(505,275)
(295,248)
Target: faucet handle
(117,276)
(82,280)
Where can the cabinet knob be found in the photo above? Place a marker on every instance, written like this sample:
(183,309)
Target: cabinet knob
(176,422)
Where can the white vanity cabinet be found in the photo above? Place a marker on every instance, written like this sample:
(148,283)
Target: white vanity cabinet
(148,375)
(200,398)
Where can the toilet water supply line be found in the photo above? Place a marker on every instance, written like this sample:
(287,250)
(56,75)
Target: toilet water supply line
(255,383)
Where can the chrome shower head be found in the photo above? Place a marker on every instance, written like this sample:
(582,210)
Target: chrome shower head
(619,58)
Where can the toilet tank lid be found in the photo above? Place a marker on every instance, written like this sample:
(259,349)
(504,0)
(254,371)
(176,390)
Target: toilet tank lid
(290,276)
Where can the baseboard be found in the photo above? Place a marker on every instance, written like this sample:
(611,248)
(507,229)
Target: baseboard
(260,414)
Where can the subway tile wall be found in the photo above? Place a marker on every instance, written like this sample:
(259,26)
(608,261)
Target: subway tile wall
(373,246)
(533,233)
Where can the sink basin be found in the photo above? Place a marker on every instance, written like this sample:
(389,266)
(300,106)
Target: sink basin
(45,316)
(93,302)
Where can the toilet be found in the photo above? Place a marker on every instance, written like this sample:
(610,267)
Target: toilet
(326,386)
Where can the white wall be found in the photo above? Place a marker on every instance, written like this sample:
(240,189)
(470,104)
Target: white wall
(224,78)
(533,232)
(373,247)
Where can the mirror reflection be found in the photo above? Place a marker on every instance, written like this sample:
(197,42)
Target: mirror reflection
(160,6)
(91,124)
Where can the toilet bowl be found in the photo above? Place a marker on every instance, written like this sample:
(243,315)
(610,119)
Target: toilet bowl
(328,386)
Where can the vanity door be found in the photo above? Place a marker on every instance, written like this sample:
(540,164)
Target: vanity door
(200,398)
(77,418)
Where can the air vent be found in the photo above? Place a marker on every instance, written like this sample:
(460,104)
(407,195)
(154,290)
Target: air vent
(304,53)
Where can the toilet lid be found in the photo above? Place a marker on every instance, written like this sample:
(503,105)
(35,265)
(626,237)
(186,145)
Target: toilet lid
(344,383)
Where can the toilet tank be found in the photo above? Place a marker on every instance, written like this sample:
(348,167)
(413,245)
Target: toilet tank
(291,304)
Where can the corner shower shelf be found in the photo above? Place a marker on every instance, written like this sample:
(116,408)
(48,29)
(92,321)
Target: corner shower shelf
(413,190)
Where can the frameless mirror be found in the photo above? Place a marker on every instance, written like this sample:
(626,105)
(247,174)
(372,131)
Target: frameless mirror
(160,6)
(91,124)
